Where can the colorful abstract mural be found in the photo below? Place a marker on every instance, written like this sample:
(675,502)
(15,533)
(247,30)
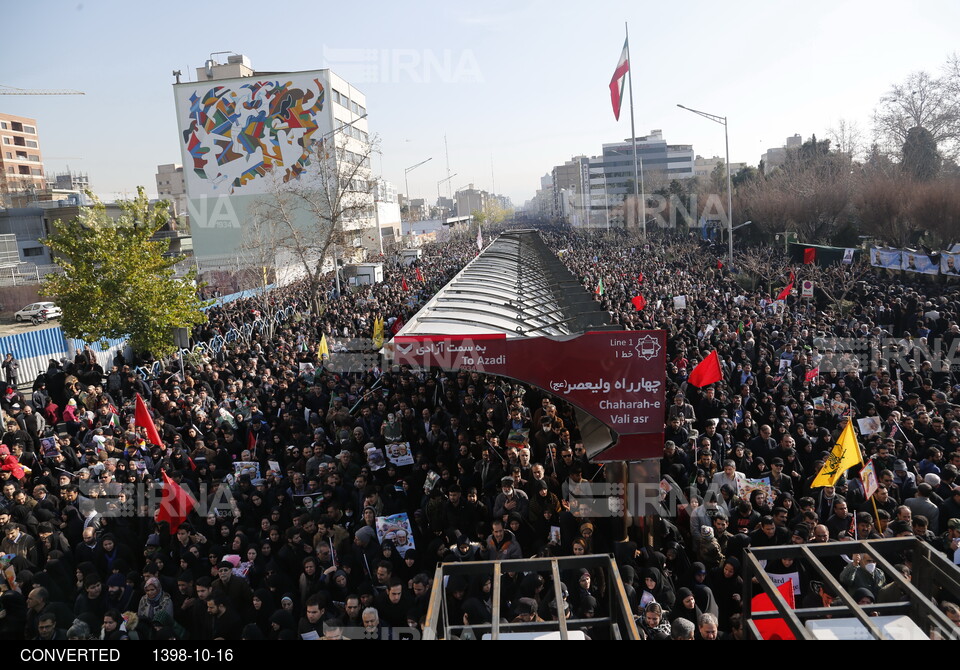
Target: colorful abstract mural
(235,137)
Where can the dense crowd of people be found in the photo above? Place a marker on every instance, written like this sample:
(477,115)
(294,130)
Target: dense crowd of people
(285,453)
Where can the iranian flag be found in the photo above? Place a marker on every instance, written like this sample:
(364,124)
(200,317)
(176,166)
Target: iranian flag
(616,82)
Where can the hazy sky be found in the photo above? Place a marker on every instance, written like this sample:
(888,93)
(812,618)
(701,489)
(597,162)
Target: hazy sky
(521,86)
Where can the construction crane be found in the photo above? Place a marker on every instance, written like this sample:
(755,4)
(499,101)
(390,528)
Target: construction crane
(11,90)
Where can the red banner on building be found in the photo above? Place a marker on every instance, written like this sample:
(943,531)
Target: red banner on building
(616,376)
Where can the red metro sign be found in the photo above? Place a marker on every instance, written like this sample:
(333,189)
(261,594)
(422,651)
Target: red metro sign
(616,376)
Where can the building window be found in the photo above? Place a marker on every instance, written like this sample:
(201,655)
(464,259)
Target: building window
(361,109)
(23,169)
(32,144)
(36,172)
(16,126)
(22,155)
(3,125)
(33,251)
(336,96)
(19,141)
(30,130)
(354,107)
(34,159)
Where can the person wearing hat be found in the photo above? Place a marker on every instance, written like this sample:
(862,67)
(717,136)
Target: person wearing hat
(234,589)
(510,499)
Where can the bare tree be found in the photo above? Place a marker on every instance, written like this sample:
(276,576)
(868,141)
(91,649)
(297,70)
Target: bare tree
(924,101)
(847,138)
(261,261)
(883,206)
(837,281)
(936,210)
(761,264)
(327,207)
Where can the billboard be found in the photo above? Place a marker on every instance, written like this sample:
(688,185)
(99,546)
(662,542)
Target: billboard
(616,376)
(243,138)
(950,263)
(885,258)
(914,261)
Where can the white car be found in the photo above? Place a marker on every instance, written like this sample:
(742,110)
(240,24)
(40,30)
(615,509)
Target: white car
(53,312)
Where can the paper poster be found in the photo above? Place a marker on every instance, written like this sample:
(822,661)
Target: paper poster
(950,264)
(48,447)
(885,258)
(868,475)
(793,577)
(747,486)
(249,468)
(274,468)
(818,404)
(869,425)
(806,289)
(308,501)
(375,459)
(838,407)
(554,536)
(396,528)
(399,453)
(784,366)
(518,438)
(914,261)
(431,481)
(679,302)
(847,256)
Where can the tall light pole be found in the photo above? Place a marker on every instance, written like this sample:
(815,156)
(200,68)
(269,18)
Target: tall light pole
(406,183)
(441,181)
(722,120)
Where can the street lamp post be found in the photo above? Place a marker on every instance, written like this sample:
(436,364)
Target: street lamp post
(406,182)
(441,181)
(722,120)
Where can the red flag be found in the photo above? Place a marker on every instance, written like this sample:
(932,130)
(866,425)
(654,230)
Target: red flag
(719,264)
(786,291)
(397,325)
(809,256)
(812,374)
(707,371)
(403,284)
(640,278)
(175,504)
(419,275)
(251,441)
(639,302)
(616,82)
(144,420)
(774,629)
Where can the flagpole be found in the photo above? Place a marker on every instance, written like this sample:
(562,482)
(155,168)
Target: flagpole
(633,135)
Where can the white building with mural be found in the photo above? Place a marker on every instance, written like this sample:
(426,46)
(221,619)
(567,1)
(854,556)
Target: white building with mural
(249,138)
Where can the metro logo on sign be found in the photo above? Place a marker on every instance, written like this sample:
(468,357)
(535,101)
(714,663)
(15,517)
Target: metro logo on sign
(616,376)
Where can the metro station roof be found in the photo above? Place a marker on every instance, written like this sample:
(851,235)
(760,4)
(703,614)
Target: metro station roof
(516,286)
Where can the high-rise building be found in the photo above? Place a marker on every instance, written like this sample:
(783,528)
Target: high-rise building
(21,163)
(247,137)
(612,174)
(172,186)
(775,156)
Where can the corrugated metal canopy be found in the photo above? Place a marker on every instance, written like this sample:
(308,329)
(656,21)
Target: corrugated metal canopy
(516,286)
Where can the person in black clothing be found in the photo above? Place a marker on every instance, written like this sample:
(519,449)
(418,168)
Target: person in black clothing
(226,622)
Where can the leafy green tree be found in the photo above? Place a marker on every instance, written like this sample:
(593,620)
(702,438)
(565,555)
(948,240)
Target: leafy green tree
(116,282)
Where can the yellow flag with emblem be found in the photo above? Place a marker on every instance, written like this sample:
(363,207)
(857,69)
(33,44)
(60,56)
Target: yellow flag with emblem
(378,333)
(845,454)
(322,350)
